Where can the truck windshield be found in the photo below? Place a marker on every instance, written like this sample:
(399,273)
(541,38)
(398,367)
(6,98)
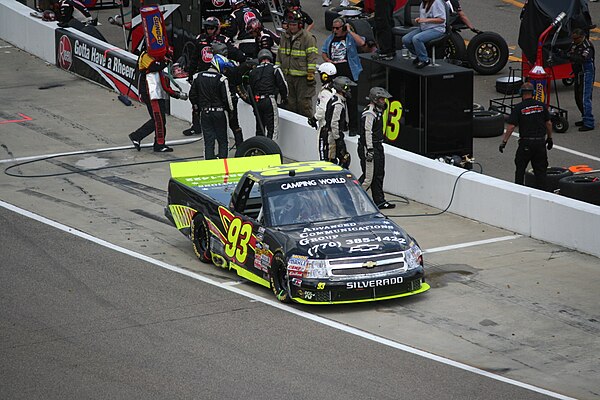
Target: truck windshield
(314,200)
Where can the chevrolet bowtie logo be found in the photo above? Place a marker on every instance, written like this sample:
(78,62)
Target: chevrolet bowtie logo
(369,264)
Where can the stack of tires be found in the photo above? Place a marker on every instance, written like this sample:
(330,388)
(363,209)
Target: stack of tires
(488,123)
(575,186)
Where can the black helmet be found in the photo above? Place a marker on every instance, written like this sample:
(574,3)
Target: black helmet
(265,53)
(212,22)
(294,16)
(342,84)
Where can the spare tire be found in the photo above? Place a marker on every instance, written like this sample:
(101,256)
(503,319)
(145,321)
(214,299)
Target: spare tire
(363,28)
(581,187)
(487,124)
(478,107)
(334,12)
(508,84)
(257,146)
(487,53)
(553,176)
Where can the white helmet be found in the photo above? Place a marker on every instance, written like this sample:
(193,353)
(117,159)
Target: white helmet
(327,68)
(327,72)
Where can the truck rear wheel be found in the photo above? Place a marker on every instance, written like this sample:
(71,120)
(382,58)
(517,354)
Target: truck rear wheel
(257,146)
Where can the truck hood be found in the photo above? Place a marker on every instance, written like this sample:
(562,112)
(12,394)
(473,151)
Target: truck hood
(359,237)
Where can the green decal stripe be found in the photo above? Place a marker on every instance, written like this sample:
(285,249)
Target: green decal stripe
(249,275)
(182,215)
(424,287)
(222,167)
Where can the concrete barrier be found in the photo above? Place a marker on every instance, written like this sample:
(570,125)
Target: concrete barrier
(541,215)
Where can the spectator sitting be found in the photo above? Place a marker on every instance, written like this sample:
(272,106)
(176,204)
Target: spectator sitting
(432,25)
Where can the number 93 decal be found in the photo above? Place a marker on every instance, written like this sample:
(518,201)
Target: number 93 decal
(238,236)
(391,119)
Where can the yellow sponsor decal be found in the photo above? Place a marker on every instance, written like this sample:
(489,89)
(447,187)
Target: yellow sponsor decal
(157,30)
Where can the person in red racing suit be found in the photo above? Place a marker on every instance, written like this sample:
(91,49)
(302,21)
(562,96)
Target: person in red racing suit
(154,89)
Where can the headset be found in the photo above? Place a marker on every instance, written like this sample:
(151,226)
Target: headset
(343,21)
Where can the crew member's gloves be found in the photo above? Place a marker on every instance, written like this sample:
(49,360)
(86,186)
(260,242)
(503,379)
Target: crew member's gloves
(501,147)
(476,31)
(181,96)
(190,78)
(549,143)
(312,121)
(369,157)
(310,77)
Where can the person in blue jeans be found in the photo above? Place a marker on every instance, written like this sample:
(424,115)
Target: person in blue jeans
(581,54)
(432,25)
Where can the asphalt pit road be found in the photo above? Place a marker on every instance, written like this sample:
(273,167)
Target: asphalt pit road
(437,279)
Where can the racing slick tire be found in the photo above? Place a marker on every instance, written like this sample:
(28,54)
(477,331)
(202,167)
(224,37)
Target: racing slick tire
(363,28)
(257,146)
(487,124)
(279,279)
(478,107)
(455,48)
(200,237)
(487,53)
(553,176)
(581,187)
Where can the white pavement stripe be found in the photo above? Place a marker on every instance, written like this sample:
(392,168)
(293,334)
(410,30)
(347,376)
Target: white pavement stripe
(470,244)
(283,307)
(73,153)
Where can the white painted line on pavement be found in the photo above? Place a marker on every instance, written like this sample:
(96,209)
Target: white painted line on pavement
(73,153)
(470,244)
(283,307)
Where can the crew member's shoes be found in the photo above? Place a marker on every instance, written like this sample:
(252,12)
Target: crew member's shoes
(344,3)
(585,128)
(162,148)
(136,143)
(326,3)
(189,132)
(422,64)
(579,123)
(386,205)
(416,61)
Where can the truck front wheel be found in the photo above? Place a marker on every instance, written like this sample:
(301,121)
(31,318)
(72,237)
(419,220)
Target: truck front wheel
(279,279)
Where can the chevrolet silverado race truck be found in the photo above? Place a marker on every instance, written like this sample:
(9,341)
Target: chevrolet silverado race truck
(307,230)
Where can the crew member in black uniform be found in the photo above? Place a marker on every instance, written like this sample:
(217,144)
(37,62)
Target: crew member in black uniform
(331,137)
(154,89)
(236,26)
(263,38)
(266,81)
(201,57)
(211,98)
(535,136)
(370,146)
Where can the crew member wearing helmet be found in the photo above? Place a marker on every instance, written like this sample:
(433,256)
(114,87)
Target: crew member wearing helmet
(69,9)
(202,54)
(535,136)
(236,26)
(263,38)
(154,89)
(266,81)
(294,5)
(210,96)
(327,73)
(370,146)
(297,56)
(331,138)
